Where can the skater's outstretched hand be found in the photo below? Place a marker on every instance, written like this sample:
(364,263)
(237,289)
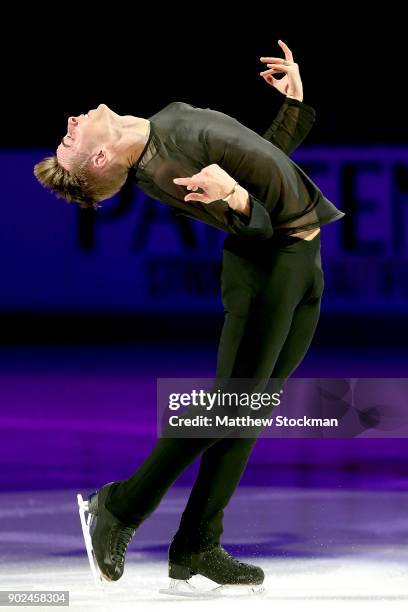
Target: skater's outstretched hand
(290,84)
(213,180)
(216,184)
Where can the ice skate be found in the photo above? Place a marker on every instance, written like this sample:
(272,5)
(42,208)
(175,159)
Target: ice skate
(232,576)
(106,537)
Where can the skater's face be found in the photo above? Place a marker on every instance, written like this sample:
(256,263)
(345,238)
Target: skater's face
(88,134)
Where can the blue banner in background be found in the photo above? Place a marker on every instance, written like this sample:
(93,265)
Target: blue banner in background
(135,255)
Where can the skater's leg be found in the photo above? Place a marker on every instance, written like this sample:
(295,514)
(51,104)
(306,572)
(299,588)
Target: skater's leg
(134,499)
(223,463)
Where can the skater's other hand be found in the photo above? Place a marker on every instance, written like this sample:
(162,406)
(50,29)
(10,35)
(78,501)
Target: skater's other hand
(213,180)
(291,84)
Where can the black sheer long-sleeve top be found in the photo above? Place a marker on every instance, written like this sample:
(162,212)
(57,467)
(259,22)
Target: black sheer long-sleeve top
(183,139)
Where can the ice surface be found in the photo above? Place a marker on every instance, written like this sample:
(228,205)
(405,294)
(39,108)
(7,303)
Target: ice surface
(320,550)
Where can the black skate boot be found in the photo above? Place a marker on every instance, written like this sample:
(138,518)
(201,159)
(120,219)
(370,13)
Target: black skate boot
(217,565)
(106,537)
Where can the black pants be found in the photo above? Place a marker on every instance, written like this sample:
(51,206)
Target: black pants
(271,292)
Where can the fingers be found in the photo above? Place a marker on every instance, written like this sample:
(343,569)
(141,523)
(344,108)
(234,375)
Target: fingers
(196,197)
(188,181)
(276,68)
(269,78)
(277,60)
(286,50)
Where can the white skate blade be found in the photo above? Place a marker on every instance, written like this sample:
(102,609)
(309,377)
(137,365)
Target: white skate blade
(241,590)
(85,524)
(184,589)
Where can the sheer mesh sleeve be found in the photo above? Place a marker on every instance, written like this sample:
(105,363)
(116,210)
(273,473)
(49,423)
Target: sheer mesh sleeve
(291,125)
(287,131)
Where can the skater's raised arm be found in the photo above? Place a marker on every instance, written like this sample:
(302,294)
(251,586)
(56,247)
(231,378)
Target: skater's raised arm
(295,118)
(291,125)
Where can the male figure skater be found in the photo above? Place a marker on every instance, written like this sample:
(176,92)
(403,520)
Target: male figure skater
(272,283)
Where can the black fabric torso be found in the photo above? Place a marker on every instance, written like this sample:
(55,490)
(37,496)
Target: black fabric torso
(183,139)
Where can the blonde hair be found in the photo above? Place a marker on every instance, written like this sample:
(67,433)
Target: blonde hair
(79,184)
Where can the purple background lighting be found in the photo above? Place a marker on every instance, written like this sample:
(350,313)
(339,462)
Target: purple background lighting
(94,308)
